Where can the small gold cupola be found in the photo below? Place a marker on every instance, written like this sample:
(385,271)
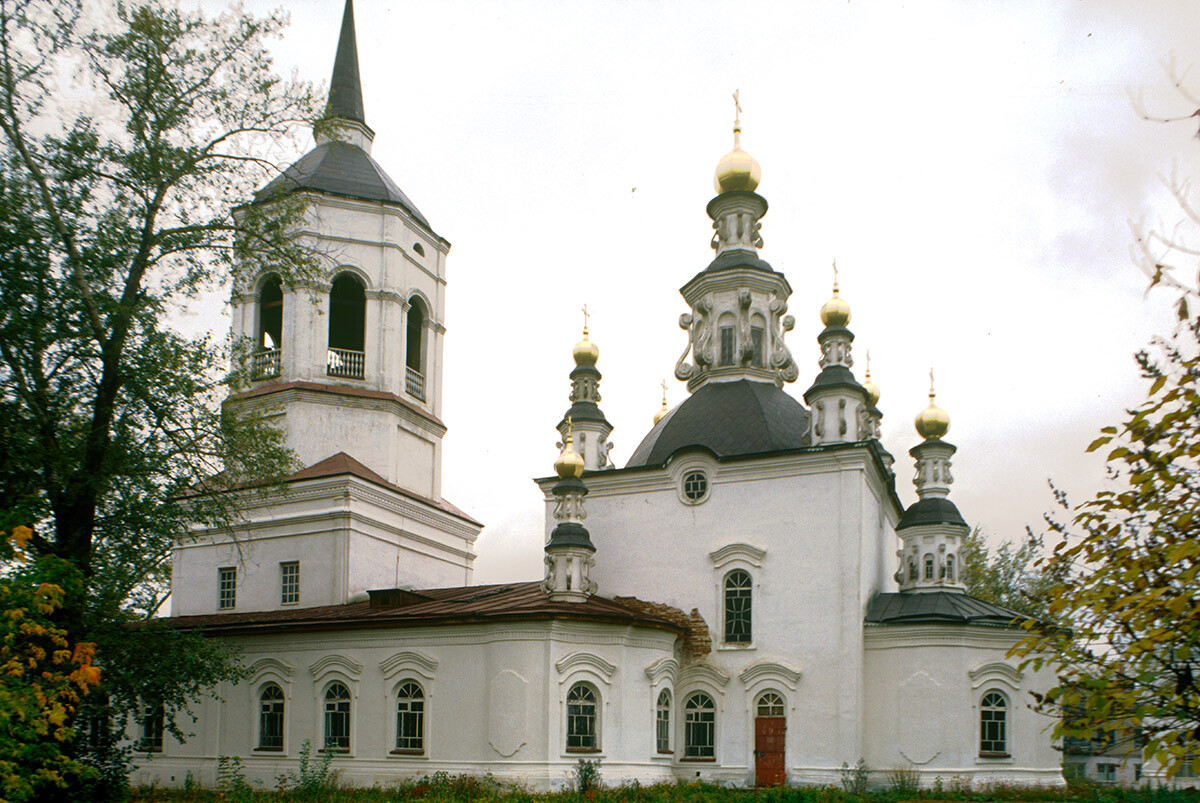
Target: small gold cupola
(585,352)
(836,311)
(569,464)
(932,422)
(871,388)
(662,413)
(737,170)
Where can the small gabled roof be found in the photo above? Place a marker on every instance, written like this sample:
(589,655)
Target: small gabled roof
(946,607)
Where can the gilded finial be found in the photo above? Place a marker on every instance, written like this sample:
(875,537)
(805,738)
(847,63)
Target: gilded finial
(871,388)
(569,464)
(737,170)
(661,413)
(933,421)
(836,311)
(585,352)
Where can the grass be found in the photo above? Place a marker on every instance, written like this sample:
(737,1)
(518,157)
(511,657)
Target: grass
(447,789)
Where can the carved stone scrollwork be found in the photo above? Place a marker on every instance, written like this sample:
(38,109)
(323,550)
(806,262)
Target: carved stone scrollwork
(684,369)
(819,419)
(702,333)
(946,473)
(842,428)
(865,429)
(744,339)
(606,455)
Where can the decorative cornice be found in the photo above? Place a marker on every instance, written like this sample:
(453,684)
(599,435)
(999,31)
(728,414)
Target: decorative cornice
(663,668)
(765,670)
(331,663)
(704,672)
(411,661)
(995,670)
(268,664)
(586,660)
(738,551)
(312,391)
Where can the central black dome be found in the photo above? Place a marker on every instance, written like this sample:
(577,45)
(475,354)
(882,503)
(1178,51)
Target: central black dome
(729,419)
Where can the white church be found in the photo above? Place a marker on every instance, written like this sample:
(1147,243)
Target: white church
(746,601)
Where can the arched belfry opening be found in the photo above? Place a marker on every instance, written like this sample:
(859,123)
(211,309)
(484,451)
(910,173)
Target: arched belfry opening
(268,349)
(347,327)
(414,351)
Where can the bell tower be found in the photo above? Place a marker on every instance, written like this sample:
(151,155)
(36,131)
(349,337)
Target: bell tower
(353,361)
(348,365)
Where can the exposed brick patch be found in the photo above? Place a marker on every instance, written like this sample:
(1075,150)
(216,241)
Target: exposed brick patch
(697,642)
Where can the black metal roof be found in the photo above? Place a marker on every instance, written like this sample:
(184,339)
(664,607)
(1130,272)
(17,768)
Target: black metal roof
(728,419)
(954,607)
(339,168)
(739,258)
(931,510)
(345,88)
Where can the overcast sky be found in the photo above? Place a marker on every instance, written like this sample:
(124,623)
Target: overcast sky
(973,166)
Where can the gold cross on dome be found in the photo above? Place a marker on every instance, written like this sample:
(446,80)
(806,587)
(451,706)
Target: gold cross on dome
(835,287)
(664,387)
(585,320)
(737,107)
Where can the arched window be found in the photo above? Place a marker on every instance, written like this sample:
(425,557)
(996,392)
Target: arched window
(950,568)
(929,567)
(770,704)
(699,726)
(581,718)
(414,349)
(410,718)
(151,736)
(347,327)
(737,607)
(757,341)
(662,722)
(337,717)
(993,724)
(270,718)
(912,569)
(270,313)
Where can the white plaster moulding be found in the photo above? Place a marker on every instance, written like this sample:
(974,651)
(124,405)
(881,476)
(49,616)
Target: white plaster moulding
(731,280)
(704,672)
(410,661)
(992,671)
(269,664)
(579,634)
(333,663)
(766,671)
(322,201)
(283,399)
(663,669)
(889,637)
(585,660)
(731,553)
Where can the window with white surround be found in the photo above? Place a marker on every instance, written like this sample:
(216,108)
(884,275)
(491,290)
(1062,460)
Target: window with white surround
(151,731)
(582,725)
(738,592)
(226,587)
(699,727)
(950,568)
(410,718)
(337,717)
(347,327)
(695,486)
(929,567)
(414,348)
(993,724)
(270,718)
(289,573)
(662,722)
(726,356)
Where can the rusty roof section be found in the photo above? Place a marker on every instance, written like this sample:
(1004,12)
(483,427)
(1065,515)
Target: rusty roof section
(697,642)
(443,606)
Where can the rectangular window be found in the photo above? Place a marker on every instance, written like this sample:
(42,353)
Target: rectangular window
(1106,772)
(726,346)
(756,341)
(151,740)
(290,584)
(226,588)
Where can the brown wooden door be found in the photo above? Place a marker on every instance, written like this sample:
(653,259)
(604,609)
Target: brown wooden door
(769,733)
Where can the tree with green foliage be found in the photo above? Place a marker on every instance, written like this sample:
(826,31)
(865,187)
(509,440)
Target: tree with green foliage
(1010,577)
(1125,575)
(128,135)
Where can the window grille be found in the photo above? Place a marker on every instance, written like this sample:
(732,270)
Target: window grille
(662,722)
(756,342)
(581,718)
(726,346)
(738,589)
(695,485)
(270,718)
(700,727)
(337,717)
(151,740)
(410,718)
(289,583)
(993,724)
(226,588)
(770,704)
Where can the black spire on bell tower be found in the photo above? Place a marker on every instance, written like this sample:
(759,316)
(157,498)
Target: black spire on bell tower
(345,88)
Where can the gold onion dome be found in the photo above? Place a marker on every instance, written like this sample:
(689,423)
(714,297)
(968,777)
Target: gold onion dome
(737,169)
(870,387)
(836,311)
(585,352)
(569,464)
(933,421)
